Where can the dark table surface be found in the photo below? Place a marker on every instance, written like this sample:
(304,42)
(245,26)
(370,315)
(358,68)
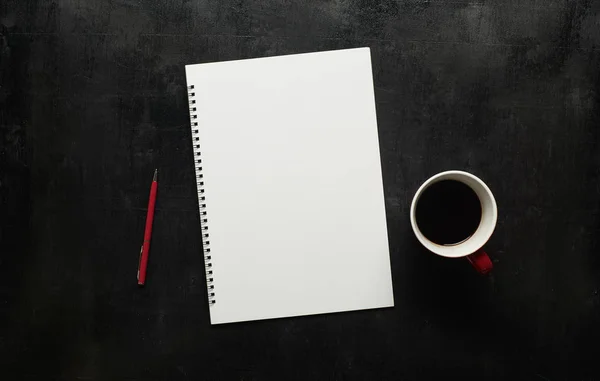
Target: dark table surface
(92,99)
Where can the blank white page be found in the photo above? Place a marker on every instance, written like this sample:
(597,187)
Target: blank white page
(293,186)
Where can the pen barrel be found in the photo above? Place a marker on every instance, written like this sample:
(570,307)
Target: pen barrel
(147,233)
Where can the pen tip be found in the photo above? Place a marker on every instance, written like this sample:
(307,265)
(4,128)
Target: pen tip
(155,175)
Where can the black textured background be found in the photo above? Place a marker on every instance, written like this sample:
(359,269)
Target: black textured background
(92,99)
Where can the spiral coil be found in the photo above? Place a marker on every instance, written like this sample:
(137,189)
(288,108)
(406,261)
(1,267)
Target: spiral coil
(201,198)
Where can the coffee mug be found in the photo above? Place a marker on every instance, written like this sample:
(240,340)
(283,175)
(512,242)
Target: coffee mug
(445,210)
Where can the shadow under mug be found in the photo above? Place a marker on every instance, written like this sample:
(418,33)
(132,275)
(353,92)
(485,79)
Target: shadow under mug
(471,248)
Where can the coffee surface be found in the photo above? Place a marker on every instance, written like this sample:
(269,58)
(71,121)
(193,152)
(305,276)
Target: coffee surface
(448,212)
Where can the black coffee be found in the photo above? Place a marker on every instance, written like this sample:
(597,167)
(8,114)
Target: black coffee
(448,212)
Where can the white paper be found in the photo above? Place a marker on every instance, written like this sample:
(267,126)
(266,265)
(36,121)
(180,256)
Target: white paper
(293,185)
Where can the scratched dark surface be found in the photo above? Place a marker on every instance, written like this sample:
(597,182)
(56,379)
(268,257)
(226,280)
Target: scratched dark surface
(92,99)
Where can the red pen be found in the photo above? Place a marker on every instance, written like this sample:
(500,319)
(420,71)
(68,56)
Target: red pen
(141,275)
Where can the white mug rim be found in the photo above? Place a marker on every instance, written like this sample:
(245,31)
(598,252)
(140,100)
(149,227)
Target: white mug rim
(483,232)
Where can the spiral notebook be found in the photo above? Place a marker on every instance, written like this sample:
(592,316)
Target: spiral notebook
(289,185)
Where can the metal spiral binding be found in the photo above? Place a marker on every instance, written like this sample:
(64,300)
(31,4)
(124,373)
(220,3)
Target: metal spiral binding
(201,198)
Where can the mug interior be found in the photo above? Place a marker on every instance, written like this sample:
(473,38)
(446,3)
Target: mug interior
(489,216)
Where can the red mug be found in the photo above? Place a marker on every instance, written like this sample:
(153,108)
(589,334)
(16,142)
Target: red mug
(471,248)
